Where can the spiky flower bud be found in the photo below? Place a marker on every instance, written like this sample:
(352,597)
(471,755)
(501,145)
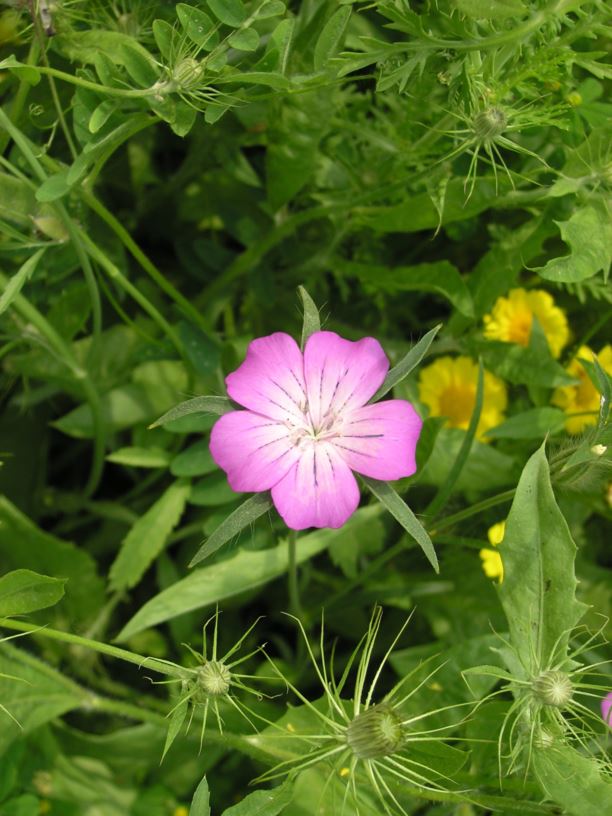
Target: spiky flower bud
(489,123)
(376,732)
(214,678)
(553,688)
(187,73)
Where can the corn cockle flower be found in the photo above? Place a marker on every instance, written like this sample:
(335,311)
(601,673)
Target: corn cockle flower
(308,425)
(606,709)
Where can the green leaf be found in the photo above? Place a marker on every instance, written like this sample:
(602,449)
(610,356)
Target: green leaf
(264,803)
(273,8)
(27,73)
(246,39)
(439,277)
(532,424)
(177,718)
(538,592)
(230,12)
(23,591)
(198,26)
(164,35)
(398,508)
(141,457)
(588,233)
(572,780)
(491,9)
(248,512)
(197,405)
(147,538)
(331,37)
(33,693)
(200,805)
(407,364)
(246,570)
(54,187)
(15,284)
(212,491)
(23,545)
(312,320)
(196,460)
(524,366)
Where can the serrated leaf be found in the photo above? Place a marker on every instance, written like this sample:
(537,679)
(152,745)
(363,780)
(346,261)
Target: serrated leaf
(538,592)
(198,26)
(398,508)
(197,405)
(572,780)
(148,536)
(23,591)
(312,321)
(246,570)
(588,233)
(248,512)
(406,364)
(331,37)
(264,803)
(230,12)
(16,282)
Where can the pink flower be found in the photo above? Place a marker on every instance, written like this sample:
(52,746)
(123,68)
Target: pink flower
(307,426)
(606,709)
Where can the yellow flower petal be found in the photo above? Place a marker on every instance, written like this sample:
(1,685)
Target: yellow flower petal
(448,388)
(496,533)
(492,564)
(512,317)
(581,402)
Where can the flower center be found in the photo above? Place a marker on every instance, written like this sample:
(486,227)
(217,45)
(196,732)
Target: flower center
(519,330)
(457,404)
(307,432)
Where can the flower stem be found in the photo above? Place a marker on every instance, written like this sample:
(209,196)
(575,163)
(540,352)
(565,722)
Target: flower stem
(294,590)
(161,666)
(485,504)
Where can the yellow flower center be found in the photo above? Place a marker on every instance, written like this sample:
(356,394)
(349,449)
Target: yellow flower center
(519,331)
(457,404)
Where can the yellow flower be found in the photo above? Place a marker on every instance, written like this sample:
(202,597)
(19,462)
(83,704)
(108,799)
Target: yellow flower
(448,388)
(581,402)
(511,319)
(181,810)
(492,563)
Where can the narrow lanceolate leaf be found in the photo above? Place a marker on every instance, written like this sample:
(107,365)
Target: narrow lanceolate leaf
(330,38)
(263,802)
(246,514)
(200,806)
(177,718)
(407,364)
(312,321)
(539,588)
(242,572)
(443,494)
(197,405)
(398,508)
(572,780)
(147,538)
(15,284)
(23,591)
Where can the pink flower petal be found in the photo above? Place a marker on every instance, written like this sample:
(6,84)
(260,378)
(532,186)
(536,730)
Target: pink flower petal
(606,709)
(380,440)
(271,379)
(319,491)
(340,374)
(255,451)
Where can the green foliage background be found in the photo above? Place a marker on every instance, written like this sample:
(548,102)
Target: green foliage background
(170,175)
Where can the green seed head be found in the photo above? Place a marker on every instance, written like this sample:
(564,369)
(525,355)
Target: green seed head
(214,678)
(553,688)
(376,732)
(489,124)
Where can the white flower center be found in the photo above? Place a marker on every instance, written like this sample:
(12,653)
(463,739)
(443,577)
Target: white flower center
(306,432)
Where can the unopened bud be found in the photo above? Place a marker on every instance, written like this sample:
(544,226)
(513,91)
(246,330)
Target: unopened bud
(187,73)
(553,688)
(489,123)
(376,732)
(214,678)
